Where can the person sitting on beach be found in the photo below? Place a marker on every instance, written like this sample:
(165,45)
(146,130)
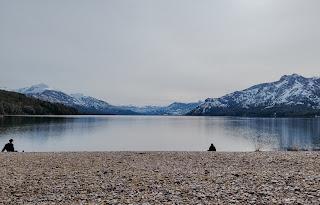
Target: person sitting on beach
(212,148)
(9,147)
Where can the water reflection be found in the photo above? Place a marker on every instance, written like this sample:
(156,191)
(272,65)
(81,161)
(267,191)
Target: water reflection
(44,133)
(156,133)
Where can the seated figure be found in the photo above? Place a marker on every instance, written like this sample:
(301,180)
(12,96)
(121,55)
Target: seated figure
(9,147)
(212,148)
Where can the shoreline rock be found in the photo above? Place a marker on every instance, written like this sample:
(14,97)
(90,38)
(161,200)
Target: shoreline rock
(160,178)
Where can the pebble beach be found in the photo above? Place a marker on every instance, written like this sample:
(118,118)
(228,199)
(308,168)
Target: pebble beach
(160,178)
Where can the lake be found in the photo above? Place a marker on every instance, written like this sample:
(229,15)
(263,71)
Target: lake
(158,133)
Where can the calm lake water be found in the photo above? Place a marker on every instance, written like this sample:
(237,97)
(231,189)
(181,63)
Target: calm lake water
(158,133)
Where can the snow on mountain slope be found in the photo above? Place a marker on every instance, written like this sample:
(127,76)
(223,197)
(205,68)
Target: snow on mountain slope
(88,101)
(175,108)
(92,105)
(290,91)
(35,89)
(85,104)
(43,92)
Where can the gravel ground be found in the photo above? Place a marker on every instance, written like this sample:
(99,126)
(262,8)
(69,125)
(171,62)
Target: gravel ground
(160,178)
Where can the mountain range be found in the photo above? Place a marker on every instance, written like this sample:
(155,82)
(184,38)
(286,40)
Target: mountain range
(90,105)
(84,104)
(292,95)
(176,108)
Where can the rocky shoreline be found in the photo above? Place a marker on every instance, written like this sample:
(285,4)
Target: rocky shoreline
(160,178)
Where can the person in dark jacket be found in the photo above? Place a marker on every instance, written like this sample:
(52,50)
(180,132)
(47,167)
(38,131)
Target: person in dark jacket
(9,147)
(212,148)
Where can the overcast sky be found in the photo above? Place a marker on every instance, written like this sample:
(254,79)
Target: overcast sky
(156,52)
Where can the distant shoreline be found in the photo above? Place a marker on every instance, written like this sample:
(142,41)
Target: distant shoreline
(79,115)
(204,116)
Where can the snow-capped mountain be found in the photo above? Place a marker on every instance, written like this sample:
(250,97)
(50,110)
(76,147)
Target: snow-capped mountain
(90,102)
(91,105)
(35,89)
(178,108)
(85,104)
(175,108)
(292,95)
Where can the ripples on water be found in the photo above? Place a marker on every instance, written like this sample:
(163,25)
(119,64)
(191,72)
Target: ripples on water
(159,133)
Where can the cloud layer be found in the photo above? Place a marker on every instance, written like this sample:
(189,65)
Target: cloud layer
(156,52)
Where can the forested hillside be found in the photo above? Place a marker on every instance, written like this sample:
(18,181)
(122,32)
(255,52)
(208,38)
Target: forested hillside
(12,103)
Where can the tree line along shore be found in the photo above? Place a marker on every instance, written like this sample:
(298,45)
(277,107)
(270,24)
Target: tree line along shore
(12,103)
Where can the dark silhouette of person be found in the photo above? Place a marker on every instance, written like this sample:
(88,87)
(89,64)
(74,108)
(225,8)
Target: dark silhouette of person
(9,147)
(212,148)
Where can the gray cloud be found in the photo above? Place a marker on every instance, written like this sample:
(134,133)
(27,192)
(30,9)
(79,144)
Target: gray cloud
(156,52)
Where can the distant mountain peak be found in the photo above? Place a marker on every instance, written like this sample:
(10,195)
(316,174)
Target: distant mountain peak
(77,95)
(41,85)
(84,104)
(34,89)
(292,76)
